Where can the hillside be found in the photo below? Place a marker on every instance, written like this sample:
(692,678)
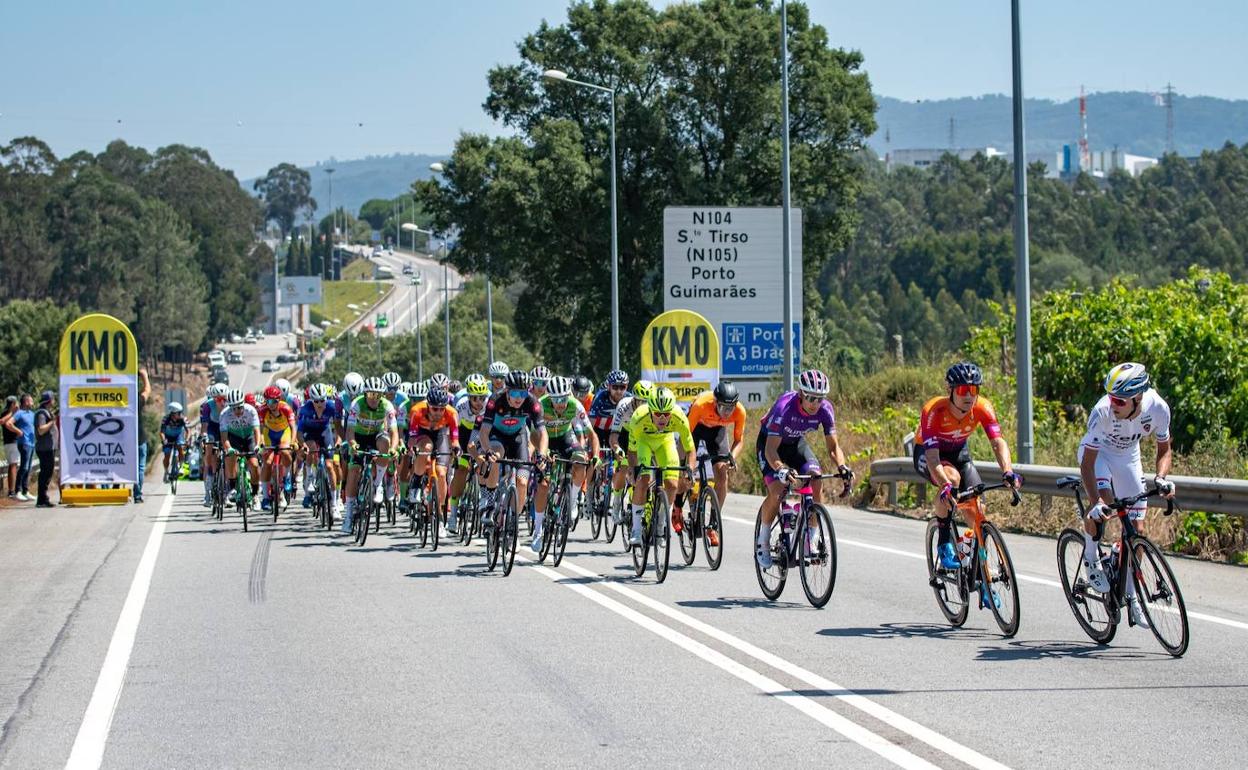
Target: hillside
(1132,121)
(356,181)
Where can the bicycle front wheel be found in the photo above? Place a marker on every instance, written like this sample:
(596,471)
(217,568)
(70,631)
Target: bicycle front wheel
(771,579)
(949,585)
(712,527)
(817,556)
(661,526)
(1097,613)
(493,539)
(1001,584)
(595,510)
(641,552)
(511,530)
(434,525)
(688,535)
(1160,597)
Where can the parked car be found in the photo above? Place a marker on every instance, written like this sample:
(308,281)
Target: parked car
(235,357)
(220,376)
(250,339)
(216,358)
(407,270)
(236,339)
(267,366)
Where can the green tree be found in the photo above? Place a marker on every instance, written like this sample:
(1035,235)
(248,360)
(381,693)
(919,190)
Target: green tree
(30,346)
(697,98)
(287,192)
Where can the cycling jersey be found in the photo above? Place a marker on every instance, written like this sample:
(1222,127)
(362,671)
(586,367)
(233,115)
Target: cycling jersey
(602,409)
(1121,438)
(277,418)
(210,412)
(939,428)
(703,412)
(367,420)
(463,408)
(294,402)
(172,427)
(241,421)
(624,413)
(655,445)
(791,423)
(506,419)
(317,425)
(401,408)
(420,422)
(573,420)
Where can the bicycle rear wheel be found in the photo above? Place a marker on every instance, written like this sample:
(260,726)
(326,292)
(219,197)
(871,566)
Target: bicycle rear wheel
(1097,613)
(511,529)
(948,585)
(493,537)
(1001,581)
(816,552)
(661,528)
(689,529)
(433,525)
(561,540)
(772,579)
(595,510)
(1160,597)
(712,527)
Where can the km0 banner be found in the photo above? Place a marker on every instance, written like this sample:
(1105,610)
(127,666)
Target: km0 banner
(99,403)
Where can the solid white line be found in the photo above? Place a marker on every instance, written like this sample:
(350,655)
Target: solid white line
(1029,578)
(888,716)
(822,714)
(88,750)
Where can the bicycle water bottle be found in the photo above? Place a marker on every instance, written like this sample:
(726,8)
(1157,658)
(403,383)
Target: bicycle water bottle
(708,470)
(966,546)
(788,515)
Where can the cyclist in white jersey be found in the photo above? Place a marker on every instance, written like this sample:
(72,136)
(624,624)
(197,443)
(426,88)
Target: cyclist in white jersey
(1110,465)
(618,441)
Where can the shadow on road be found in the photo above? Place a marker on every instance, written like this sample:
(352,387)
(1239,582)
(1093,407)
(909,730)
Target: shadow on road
(734,602)
(909,631)
(1064,650)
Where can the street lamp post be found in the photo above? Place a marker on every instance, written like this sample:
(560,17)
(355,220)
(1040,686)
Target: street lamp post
(446,290)
(561,76)
(1022,262)
(328,267)
(785,198)
(439,168)
(420,282)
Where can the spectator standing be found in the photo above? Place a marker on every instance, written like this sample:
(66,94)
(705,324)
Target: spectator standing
(24,421)
(145,392)
(11,457)
(45,445)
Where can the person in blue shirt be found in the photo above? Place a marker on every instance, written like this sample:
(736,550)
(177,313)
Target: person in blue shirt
(315,426)
(24,421)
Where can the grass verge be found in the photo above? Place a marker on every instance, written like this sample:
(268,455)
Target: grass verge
(339,294)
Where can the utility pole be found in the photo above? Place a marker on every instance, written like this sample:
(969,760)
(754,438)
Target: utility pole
(1022,269)
(1169,102)
(786,226)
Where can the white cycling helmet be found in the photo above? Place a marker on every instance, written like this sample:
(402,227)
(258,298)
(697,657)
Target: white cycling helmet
(391,380)
(439,380)
(353,384)
(318,392)
(420,389)
(559,387)
(283,385)
(499,369)
(236,397)
(173,406)
(813,382)
(1127,380)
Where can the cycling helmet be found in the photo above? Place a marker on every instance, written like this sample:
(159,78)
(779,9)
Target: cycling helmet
(405,388)
(352,384)
(437,397)
(283,385)
(813,382)
(272,393)
(642,389)
(236,397)
(726,393)
(318,392)
(1126,380)
(217,391)
(250,399)
(617,377)
(439,380)
(559,387)
(420,390)
(518,380)
(964,373)
(478,385)
(454,386)
(173,407)
(374,385)
(539,372)
(498,369)
(582,385)
(391,380)
(662,400)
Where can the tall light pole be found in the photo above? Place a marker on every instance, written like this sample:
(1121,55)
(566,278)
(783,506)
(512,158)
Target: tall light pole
(420,282)
(1022,264)
(561,76)
(786,226)
(446,294)
(439,168)
(328,267)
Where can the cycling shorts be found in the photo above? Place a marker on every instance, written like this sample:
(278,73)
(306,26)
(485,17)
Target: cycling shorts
(570,446)
(364,442)
(796,455)
(959,460)
(621,438)
(717,438)
(1122,476)
(466,437)
(277,437)
(439,439)
(239,443)
(214,430)
(659,451)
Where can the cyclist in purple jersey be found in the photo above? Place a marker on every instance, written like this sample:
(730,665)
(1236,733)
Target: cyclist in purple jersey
(782,447)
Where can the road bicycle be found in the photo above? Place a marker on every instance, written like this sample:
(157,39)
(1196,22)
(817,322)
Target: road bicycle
(365,508)
(242,474)
(984,570)
(470,505)
(702,521)
(656,523)
(320,491)
(1132,557)
(218,491)
(174,471)
(802,537)
(504,535)
(558,520)
(278,478)
(599,503)
(424,512)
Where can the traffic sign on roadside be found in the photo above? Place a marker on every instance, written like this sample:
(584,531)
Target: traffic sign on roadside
(680,350)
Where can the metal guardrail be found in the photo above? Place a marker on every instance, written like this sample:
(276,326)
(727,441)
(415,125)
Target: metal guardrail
(1195,493)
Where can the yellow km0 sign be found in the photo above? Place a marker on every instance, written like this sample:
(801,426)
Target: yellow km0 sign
(98,344)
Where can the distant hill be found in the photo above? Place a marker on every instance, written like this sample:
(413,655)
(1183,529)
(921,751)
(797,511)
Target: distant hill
(356,181)
(1133,121)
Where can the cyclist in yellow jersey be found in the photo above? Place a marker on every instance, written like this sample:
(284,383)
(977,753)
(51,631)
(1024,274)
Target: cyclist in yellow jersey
(653,433)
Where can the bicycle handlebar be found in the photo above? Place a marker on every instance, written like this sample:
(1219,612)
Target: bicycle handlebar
(981,488)
(1121,504)
(732,461)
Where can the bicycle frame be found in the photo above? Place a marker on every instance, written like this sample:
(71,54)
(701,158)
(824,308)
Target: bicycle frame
(971,505)
(1125,565)
(788,545)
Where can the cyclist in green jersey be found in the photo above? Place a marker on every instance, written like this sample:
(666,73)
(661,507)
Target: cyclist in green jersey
(570,436)
(371,425)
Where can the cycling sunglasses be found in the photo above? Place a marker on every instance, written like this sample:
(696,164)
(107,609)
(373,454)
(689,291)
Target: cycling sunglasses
(618,387)
(811,399)
(966,390)
(1116,401)
(517,393)
(560,400)
(539,383)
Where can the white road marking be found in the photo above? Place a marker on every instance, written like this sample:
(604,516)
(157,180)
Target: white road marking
(888,716)
(822,714)
(1029,578)
(88,750)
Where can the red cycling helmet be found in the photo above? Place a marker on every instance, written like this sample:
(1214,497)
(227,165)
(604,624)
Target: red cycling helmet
(250,398)
(272,393)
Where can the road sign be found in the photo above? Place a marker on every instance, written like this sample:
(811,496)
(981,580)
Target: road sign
(382,321)
(300,290)
(680,350)
(724,263)
(753,350)
(99,401)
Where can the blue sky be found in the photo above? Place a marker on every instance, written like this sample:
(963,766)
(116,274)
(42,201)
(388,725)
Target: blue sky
(266,81)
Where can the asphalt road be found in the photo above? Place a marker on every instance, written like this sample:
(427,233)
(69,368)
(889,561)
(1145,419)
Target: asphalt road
(289,647)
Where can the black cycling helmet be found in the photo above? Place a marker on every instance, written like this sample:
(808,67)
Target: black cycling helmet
(964,373)
(581,384)
(518,379)
(726,393)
